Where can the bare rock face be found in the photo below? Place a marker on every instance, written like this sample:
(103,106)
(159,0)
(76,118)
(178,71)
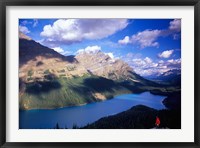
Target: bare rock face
(103,65)
(37,61)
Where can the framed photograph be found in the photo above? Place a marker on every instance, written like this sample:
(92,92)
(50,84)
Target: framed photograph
(99,74)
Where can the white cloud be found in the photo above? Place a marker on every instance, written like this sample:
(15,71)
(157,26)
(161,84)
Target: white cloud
(58,49)
(110,54)
(35,22)
(176,36)
(110,44)
(160,62)
(148,60)
(61,51)
(175,25)
(131,55)
(147,66)
(25,22)
(165,54)
(66,53)
(69,31)
(24,29)
(174,62)
(148,38)
(138,62)
(124,41)
(144,67)
(89,49)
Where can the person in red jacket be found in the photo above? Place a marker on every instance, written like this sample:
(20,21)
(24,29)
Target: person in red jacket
(157,122)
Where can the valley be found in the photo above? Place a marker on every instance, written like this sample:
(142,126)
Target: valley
(49,80)
(96,73)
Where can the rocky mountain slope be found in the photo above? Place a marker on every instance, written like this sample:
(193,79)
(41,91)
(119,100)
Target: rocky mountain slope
(35,58)
(102,65)
(48,79)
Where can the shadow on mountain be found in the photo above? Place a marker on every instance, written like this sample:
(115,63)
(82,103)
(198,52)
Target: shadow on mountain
(39,87)
(133,87)
(29,50)
(39,63)
(96,84)
(85,92)
(106,86)
(100,84)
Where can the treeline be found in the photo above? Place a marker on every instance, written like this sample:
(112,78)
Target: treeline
(61,92)
(59,127)
(139,117)
(143,117)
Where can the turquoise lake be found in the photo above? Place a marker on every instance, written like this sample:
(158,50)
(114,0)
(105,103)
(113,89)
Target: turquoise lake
(82,115)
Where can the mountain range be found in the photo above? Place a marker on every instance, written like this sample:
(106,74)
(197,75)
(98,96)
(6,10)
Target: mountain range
(170,77)
(48,79)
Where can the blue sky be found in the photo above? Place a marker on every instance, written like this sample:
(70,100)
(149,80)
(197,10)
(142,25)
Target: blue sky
(150,46)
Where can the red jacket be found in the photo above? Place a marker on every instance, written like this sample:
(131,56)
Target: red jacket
(157,121)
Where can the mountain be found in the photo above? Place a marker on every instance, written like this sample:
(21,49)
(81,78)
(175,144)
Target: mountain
(48,79)
(101,64)
(170,77)
(33,55)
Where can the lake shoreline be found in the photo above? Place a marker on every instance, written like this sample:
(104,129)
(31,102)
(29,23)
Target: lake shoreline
(91,102)
(88,113)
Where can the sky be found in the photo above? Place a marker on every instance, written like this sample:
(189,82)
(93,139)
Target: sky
(149,46)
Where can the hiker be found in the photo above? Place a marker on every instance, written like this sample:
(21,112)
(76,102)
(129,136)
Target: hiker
(157,121)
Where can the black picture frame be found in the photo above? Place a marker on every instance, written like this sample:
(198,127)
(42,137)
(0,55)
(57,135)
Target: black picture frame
(5,3)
